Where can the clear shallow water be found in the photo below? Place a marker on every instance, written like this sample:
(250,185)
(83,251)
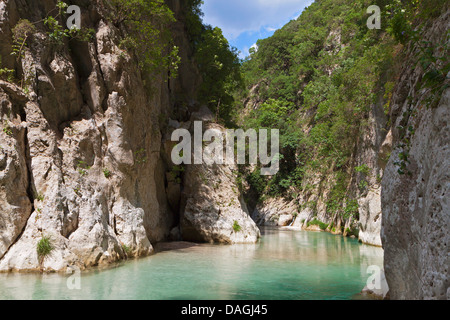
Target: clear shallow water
(284,265)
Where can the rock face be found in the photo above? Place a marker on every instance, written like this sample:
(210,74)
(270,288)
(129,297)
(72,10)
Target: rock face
(275,212)
(83,156)
(370,218)
(374,148)
(78,142)
(81,146)
(213,208)
(14,177)
(214,211)
(416,211)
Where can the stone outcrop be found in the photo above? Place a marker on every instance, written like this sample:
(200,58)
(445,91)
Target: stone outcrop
(215,211)
(275,212)
(74,148)
(370,218)
(415,202)
(81,153)
(373,151)
(212,206)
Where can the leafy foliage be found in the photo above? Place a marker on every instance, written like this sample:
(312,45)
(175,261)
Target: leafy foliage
(21,32)
(44,248)
(316,80)
(147,34)
(236,226)
(6,74)
(220,68)
(315,222)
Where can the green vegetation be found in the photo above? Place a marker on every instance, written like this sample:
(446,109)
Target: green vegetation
(7,129)
(315,222)
(44,248)
(57,34)
(77,191)
(218,64)
(364,169)
(6,74)
(176,173)
(407,22)
(316,80)
(21,32)
(351,209)
(236,226)
(82,168)
(352,232)
(147,34)
(126,250)
(107,173)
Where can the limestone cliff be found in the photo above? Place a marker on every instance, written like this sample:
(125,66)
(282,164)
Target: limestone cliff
(80,138)
(415,197)
(82,160)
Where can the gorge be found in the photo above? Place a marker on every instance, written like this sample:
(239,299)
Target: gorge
(87,115)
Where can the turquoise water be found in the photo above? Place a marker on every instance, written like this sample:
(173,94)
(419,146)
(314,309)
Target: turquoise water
(284,265)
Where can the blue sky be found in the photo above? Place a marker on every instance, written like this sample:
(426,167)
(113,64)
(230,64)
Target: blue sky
(245,21)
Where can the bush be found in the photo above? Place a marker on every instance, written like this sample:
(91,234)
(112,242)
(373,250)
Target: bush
(219,66)
(315,222)
(236,226)
(352,232)
(44,248)
(126,250)
(148,34)
(21,32)
(107,173)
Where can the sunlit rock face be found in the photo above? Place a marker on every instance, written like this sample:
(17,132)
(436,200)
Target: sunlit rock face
(80,150)
(213,209)
(416,211)
(85,150)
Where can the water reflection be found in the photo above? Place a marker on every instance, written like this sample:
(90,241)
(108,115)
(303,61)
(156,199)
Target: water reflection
(283,265)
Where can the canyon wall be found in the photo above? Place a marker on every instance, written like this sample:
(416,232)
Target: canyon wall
(82,150)
(79,139)
(415,202)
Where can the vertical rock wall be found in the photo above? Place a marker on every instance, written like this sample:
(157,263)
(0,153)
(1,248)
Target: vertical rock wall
(80,148)
(416,211)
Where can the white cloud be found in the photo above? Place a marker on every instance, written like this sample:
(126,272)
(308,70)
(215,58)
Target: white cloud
(270,29)
(235,17)
(246,51)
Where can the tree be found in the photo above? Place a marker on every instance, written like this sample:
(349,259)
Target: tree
(220,68)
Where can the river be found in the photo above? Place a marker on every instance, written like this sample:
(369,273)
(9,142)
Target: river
(284,265)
